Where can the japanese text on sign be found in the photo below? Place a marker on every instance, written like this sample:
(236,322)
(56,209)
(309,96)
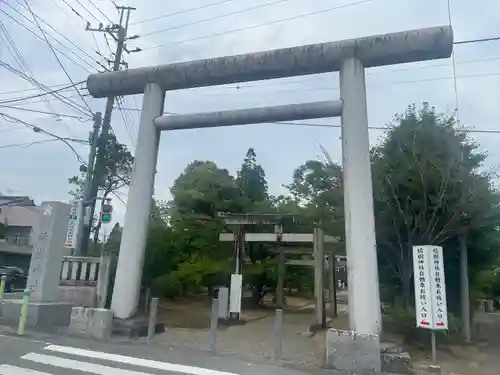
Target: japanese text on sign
(430,289)
(72,233)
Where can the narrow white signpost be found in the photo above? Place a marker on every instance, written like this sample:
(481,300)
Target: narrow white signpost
(73,225)
(430,291)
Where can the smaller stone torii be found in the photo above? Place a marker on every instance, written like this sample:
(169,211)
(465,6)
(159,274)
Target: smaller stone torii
(349,57)
(316,240)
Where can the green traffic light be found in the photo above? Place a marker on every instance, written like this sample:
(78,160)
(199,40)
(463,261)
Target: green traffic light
(106,218)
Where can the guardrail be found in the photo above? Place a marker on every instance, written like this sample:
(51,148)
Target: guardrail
(80,271)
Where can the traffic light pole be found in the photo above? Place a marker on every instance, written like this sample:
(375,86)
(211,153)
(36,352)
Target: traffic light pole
(119,33)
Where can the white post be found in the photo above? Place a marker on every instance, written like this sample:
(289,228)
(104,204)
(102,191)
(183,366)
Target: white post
(363,286)
(131,258)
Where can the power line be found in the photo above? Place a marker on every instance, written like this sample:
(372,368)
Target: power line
(55,55)
(100,11)
(304,15)
(88,11)
(183,11)
(34,89)
(42,39)
(60,34)
(332,88)
(23,65)
(454,65)
(38,129)
(50,92)
(43,112)
(478,40)
(316,125)
(32,80)
(275,2)
(301,81)
(32,143)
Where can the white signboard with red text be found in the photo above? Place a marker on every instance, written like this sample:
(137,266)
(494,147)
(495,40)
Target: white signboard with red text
(430,288)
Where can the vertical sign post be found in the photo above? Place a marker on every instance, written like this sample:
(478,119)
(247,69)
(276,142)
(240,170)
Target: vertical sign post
(430,291)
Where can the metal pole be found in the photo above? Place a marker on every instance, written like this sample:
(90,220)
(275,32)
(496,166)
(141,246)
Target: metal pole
(214,320)
(87,184)
(319,267)
(278,335)
(153,313)
(464,288)
(2,286)
(147,298)
(332,285)
(433,346)
(24,312)
(103,139)
(278,230)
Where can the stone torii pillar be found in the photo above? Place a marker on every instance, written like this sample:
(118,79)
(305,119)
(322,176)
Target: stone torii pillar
(350,57)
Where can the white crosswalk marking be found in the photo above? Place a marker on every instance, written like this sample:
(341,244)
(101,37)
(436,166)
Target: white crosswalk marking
(82,360)
(141,362)
(13,370)
(79,365)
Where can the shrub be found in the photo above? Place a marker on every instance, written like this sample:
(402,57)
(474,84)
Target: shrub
(169,286)
(401,321)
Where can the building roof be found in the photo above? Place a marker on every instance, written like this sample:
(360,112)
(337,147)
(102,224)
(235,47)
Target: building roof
(15,200)
(23,216)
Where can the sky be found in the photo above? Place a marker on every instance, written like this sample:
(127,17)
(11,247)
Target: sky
(174,32)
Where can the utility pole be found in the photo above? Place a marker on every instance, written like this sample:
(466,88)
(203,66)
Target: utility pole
(93,140)
(119,33)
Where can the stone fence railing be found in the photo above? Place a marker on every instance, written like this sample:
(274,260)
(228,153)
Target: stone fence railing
(80,271)
(90,272)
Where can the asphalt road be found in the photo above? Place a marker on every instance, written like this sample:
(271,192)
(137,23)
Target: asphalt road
(69,356)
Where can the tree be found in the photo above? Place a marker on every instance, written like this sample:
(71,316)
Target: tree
(118,164)
(252,182)
(203,189)
(317,185)
(112,245)
(428,189)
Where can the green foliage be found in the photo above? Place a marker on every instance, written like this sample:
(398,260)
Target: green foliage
(204,189)
(317,187)
(252,182)
(118,163)
(401,321)
(429,189)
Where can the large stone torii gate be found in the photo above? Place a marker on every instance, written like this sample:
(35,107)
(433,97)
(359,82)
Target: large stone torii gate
(350,58)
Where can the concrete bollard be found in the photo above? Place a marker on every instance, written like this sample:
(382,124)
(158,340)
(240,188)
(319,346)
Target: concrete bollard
(277,335)
(153,313)
(24,312)
(214,322)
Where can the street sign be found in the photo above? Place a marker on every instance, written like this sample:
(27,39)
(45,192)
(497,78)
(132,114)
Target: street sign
(73,228)
(430,288)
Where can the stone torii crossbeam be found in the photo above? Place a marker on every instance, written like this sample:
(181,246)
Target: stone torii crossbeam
(350,58)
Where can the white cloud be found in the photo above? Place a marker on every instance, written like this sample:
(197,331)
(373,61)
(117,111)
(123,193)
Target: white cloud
(42,170)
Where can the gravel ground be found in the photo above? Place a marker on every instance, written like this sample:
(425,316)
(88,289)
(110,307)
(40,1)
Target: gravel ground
(254,339)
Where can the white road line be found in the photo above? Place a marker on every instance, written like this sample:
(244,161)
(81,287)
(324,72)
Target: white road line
(78,365)
(13,370)
(141,362)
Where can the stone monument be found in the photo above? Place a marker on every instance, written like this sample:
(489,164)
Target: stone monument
(48,241)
